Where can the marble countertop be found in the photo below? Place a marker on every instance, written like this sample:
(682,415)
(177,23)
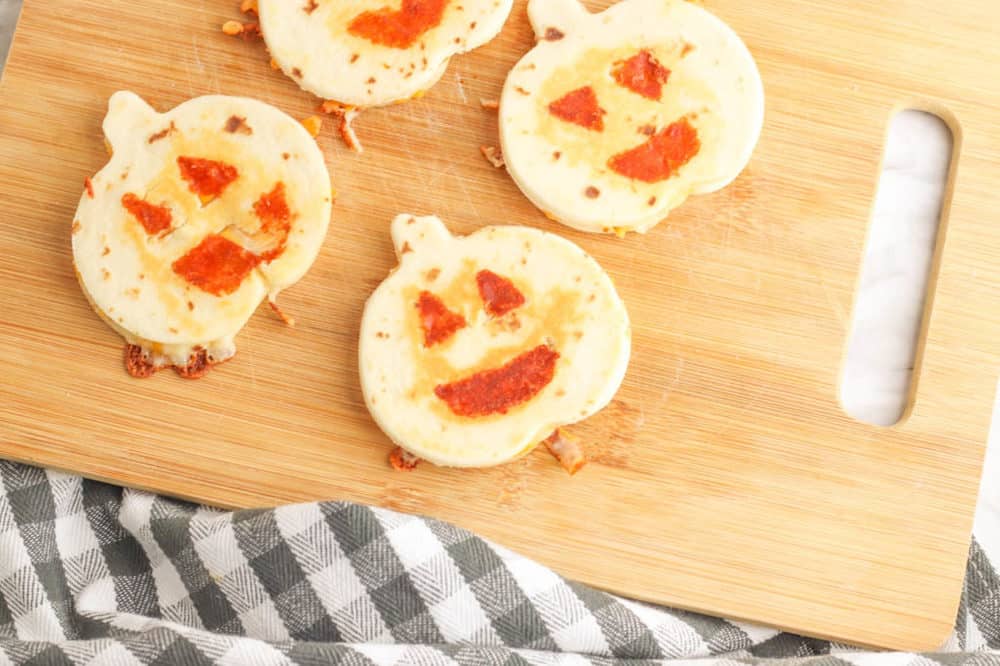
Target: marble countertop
(890,300)
(893,282)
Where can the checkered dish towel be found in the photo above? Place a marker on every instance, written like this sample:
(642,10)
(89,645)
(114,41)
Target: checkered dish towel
(93,574)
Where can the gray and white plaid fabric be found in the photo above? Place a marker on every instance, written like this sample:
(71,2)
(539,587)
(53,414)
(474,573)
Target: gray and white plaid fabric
(93,574)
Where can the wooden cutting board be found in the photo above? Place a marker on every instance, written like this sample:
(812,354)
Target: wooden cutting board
(725,477)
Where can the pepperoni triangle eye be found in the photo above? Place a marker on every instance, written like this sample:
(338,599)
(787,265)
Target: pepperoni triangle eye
(153,218)
(437,321)
(580,107)
(206,178)
(642,74)
(499,294)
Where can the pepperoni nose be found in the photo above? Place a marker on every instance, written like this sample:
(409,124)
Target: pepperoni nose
(580,107)
(153,218)
(642,74)
(217,265)
(437,321)
(206,178)
(499,294)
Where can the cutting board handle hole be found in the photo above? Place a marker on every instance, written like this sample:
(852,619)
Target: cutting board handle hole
(896,284)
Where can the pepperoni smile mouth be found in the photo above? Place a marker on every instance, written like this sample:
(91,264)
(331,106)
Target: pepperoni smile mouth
(498,390)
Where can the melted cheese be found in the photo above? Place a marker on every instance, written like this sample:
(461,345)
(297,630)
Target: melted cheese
(563,167)
(314,44)
(128,273)
(570,305)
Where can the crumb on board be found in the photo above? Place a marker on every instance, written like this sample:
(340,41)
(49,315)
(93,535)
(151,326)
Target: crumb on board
(567,451)
(347,114)
(490,104)
(493,155)
(333,107)
(402,460)
(289,321)
(347,131)
(245,30)
(313,125)
(249,7)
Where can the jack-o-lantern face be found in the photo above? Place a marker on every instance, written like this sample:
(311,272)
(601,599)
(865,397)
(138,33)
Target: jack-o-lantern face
(614,119)
(476,349)
(200,214)
(374,52)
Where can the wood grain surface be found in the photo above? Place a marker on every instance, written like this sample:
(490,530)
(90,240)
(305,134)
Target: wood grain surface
(725,476)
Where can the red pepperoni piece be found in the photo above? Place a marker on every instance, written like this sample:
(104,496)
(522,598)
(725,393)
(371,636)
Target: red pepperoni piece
(216,265)
(497,391)
(154,219)
(206,177)
(580,107)
(399,29)
(498,293)
(438,322)
(276,220)
(402,460)
(642,74)
(272,208)
(661,156)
